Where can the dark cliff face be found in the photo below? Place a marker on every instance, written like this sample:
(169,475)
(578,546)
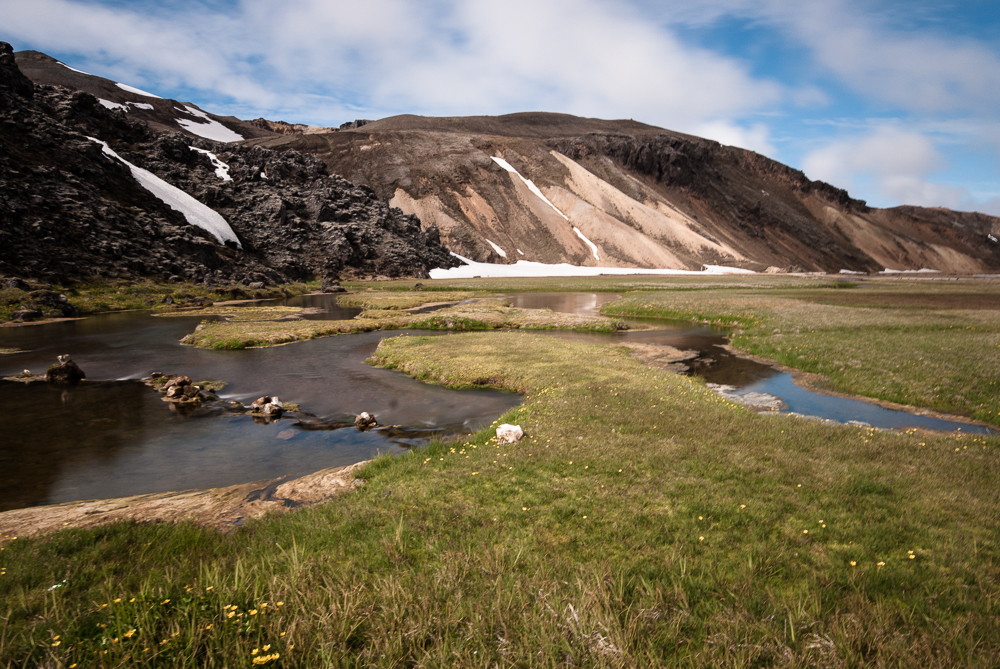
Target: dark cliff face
(70,212)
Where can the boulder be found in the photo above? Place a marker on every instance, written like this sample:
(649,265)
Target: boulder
(508,434)
(365,421)
(26,315)
(50,300)
(66,371)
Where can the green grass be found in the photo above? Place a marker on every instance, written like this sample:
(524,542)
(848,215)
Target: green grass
(147,294)
(397,299)
(258,328)
(933,345)
(643,522)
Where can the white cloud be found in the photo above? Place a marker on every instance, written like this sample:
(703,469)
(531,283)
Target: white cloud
(756,138)
(899,163)
(587,57)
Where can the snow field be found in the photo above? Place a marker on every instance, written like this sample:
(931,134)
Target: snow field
(525,268)
(195,212)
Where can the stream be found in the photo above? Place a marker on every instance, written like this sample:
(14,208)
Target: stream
(113,436)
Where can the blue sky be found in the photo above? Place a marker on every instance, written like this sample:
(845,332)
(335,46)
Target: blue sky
(899,102)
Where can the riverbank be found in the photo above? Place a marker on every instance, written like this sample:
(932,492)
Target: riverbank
(933,345)
(272,326)
(109,296)
(643,521)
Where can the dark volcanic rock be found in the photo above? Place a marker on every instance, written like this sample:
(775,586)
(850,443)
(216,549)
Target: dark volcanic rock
(69,212)
(66,371)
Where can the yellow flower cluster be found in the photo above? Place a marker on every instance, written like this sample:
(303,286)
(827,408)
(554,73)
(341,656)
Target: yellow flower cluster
(264,659)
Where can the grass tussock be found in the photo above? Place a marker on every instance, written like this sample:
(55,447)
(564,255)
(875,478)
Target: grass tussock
(934,345)
(396,299)
(644,521)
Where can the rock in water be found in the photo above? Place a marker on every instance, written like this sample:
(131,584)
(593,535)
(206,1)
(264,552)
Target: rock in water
(508,434)
(364,421)
(66,371)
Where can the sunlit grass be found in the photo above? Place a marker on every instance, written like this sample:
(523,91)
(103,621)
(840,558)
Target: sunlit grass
(644,521)
(261,328)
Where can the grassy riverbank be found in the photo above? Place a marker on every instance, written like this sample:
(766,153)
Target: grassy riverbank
(122,296)
(260,327)
(643,522)
(928,344)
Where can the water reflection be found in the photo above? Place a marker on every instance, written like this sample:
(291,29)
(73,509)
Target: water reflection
(103,439)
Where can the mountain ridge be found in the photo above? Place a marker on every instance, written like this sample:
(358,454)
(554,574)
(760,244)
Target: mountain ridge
(646,196)
(556,188)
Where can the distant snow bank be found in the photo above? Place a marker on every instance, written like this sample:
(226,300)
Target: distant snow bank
(503,254)
(592,245)
(910,271)
(525,268)
(137,91)
(114,105)
(73,68)
(207,127)
(221,169)
(195,212)
(527,182)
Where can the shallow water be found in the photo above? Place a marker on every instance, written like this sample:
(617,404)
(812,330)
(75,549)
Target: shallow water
(109,439)
(113,436)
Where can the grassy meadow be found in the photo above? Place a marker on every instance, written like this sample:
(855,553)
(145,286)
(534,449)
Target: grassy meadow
(643,521)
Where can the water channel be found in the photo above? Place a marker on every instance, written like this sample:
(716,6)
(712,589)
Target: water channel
(113,436)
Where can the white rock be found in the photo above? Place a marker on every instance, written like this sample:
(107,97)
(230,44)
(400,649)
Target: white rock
(508,434)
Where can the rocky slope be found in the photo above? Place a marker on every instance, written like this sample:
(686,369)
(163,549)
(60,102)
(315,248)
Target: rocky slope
(622,193)
(71,209)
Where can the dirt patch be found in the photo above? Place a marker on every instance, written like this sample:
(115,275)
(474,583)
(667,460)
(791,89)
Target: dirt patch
(663,356)
(219,508)
(44,321)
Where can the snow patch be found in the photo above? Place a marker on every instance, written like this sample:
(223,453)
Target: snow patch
(503,254)
(221,169)
(207,128)
(137,91)
(195,212)
(592,245)
(527,182)
(991,237)
(526,268)
(73,68)
(520,251)
(910,271)
(850,271)
(114,105)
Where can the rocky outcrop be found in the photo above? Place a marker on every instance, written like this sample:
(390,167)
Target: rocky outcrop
(66,372)
(69,211)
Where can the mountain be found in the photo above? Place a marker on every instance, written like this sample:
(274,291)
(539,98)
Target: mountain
(89,189)
(557,188)
(544,187)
